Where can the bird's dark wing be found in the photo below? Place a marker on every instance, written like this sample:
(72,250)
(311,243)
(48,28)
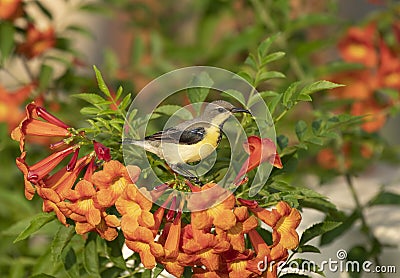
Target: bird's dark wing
(173,135)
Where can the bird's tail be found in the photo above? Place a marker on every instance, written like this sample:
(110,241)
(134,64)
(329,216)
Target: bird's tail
(130,141)
(143,144)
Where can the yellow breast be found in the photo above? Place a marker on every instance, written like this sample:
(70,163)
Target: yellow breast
(195,152)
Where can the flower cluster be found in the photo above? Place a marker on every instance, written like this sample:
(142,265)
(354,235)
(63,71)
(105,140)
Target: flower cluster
(87,201)
(212,240)
(381,70)
(205,231)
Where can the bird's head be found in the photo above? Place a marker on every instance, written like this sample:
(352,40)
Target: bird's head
(217,112)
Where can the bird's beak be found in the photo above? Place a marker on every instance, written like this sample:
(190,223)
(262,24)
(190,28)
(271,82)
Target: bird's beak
(238,110)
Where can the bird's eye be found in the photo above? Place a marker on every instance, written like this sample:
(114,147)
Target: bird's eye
(220,110)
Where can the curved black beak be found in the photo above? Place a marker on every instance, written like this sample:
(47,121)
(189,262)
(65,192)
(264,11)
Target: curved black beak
(242,110)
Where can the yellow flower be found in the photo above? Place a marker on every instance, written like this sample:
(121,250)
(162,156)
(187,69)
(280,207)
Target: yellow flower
(219,213)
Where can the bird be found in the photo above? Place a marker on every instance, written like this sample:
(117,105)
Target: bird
(192,140)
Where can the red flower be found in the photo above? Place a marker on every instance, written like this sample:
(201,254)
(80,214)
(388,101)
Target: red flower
(10,102)
(389,69)
(358,46)
(102,151)
(10,9)
(260,150)
(31,125)
(37,41)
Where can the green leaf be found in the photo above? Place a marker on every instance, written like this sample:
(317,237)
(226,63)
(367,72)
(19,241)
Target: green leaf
(171,109)
(270,75)
(137,50)
(43,9)
(272,57)
(90,111)
(282,141)
(316,126)
(308,249)
(119,92)
(60,241)
(7,39)
(100,81)
(94,99)
(303,97)
(315,140)
(36,223)
(43,275)
(45,76)
(146,274)
(125,102)
(319,86)
(237,95)
(385,198)
(70,264)
(114,251)
(246,76)
(81,30)
(341,229)
(301,128)
(264,46)
(199,87)
(157,270)
(91,257)
(317,230)
(273,103)
(289,93)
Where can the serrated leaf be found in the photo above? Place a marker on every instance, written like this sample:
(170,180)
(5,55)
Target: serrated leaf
(7,39)
(90,111)
(125,102)
(60,241)
(301,128)
(90,257)
(270,75)
(346,224)
(308,249)
(94,99)
(36,223)
(289,93)
(319,86)
(303,97)
(385,198)
(100,82)
(272,57)
(45,76)
(317,230)
(264,46)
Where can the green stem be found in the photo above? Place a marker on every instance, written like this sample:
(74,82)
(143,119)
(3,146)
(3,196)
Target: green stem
(365,228)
